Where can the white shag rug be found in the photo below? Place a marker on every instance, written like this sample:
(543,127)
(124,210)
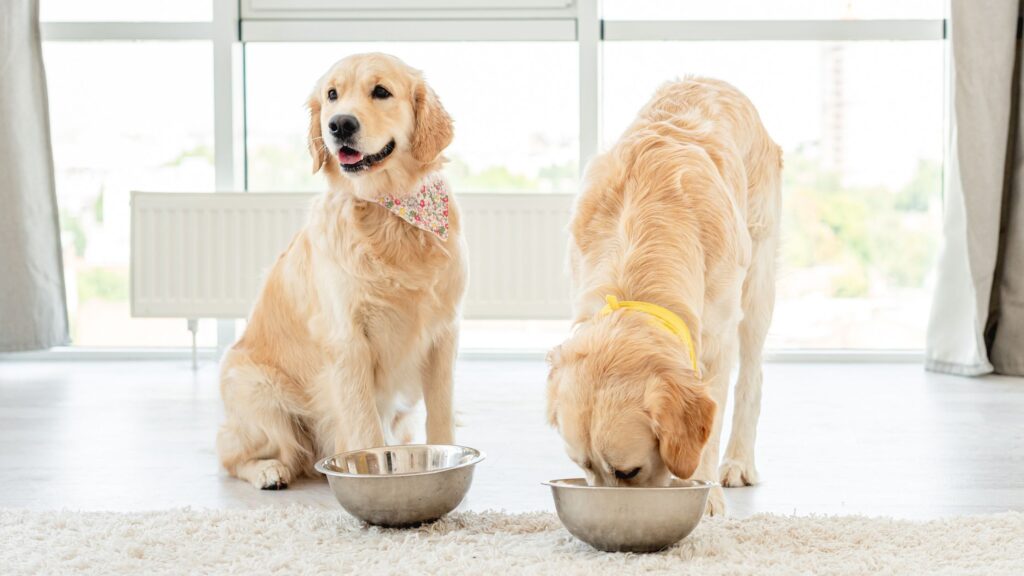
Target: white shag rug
(301,540)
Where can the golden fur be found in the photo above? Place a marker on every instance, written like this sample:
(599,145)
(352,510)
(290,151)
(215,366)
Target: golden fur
(682,212)
(357,319)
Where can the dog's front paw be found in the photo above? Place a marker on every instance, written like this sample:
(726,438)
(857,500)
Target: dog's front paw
(271,475)
(716,502)
(735,473)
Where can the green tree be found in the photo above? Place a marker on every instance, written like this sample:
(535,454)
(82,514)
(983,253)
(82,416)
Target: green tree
(72,224)
(859,233)
(918,194)
(200,151)
(102,284)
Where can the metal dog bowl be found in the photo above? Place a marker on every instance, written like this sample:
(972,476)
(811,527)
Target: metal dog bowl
(627,519)
(401,485)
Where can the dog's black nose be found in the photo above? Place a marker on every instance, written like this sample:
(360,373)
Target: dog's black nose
(343,126)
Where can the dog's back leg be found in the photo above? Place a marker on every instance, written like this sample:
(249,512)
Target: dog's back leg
(758,302)
(261,441)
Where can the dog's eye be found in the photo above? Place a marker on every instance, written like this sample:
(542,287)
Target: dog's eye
(627,475)
(332,94)
(380,92)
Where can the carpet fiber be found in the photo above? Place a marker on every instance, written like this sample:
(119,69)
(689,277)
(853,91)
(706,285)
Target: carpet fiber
(300,540)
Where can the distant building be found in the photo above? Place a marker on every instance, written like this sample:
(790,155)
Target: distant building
(833,110)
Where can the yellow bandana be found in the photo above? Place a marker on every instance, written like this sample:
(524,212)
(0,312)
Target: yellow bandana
(661,317)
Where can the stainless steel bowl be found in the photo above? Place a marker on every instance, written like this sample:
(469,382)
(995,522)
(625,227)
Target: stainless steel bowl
(400,486)
(626,519)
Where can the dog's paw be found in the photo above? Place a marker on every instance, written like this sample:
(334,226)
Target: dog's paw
(716,502)
(271,475)
(735,473)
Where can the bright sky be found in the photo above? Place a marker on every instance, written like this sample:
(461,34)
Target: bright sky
(502,95)
(516,104)
(892,94)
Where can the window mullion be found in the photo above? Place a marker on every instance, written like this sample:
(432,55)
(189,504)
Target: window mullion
(588,36)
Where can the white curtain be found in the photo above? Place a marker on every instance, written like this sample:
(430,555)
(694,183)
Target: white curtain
(977,317)
(33,313)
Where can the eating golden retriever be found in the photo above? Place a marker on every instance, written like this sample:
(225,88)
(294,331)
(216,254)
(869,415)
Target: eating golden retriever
(672,254)
(357,320)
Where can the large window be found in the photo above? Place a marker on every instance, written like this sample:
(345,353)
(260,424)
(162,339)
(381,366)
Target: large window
(852,89)
(124,116)
(861,126)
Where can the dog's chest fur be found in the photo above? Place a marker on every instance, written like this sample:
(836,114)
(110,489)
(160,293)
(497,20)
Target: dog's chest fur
(377,274)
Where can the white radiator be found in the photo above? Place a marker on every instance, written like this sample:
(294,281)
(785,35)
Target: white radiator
(204,255)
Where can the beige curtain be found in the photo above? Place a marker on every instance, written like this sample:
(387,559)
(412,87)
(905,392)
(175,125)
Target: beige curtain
(977,318)
(32,308)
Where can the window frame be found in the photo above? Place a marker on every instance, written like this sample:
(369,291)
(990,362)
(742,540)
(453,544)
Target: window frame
(235,22)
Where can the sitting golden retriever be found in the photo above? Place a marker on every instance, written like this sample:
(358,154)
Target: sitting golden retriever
(357,320)
(673,249)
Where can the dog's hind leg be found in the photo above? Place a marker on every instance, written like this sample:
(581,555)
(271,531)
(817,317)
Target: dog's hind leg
(260,441)
(738,467)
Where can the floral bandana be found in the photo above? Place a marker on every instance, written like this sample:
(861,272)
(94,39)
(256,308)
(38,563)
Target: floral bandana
(425,207)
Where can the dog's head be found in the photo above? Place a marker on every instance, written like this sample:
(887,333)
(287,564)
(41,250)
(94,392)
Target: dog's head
(627,403)
(372,113)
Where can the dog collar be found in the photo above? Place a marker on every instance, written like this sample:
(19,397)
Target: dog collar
(425,207)
(660,317)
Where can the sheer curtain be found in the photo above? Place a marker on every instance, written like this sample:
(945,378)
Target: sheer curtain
(977,318)
(33,313)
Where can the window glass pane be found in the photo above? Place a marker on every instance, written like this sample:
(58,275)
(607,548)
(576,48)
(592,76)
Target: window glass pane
(516,121)
(123,116)
(861,125)
(773,10)
(125,10)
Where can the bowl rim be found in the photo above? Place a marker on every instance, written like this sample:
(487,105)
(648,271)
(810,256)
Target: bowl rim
(560,483)
(321,465)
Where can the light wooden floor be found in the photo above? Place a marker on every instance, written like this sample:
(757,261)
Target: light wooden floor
(834,439)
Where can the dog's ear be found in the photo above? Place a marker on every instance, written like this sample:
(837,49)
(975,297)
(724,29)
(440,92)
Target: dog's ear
(317,148)
(682,414)
(432,132)
(554,359)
